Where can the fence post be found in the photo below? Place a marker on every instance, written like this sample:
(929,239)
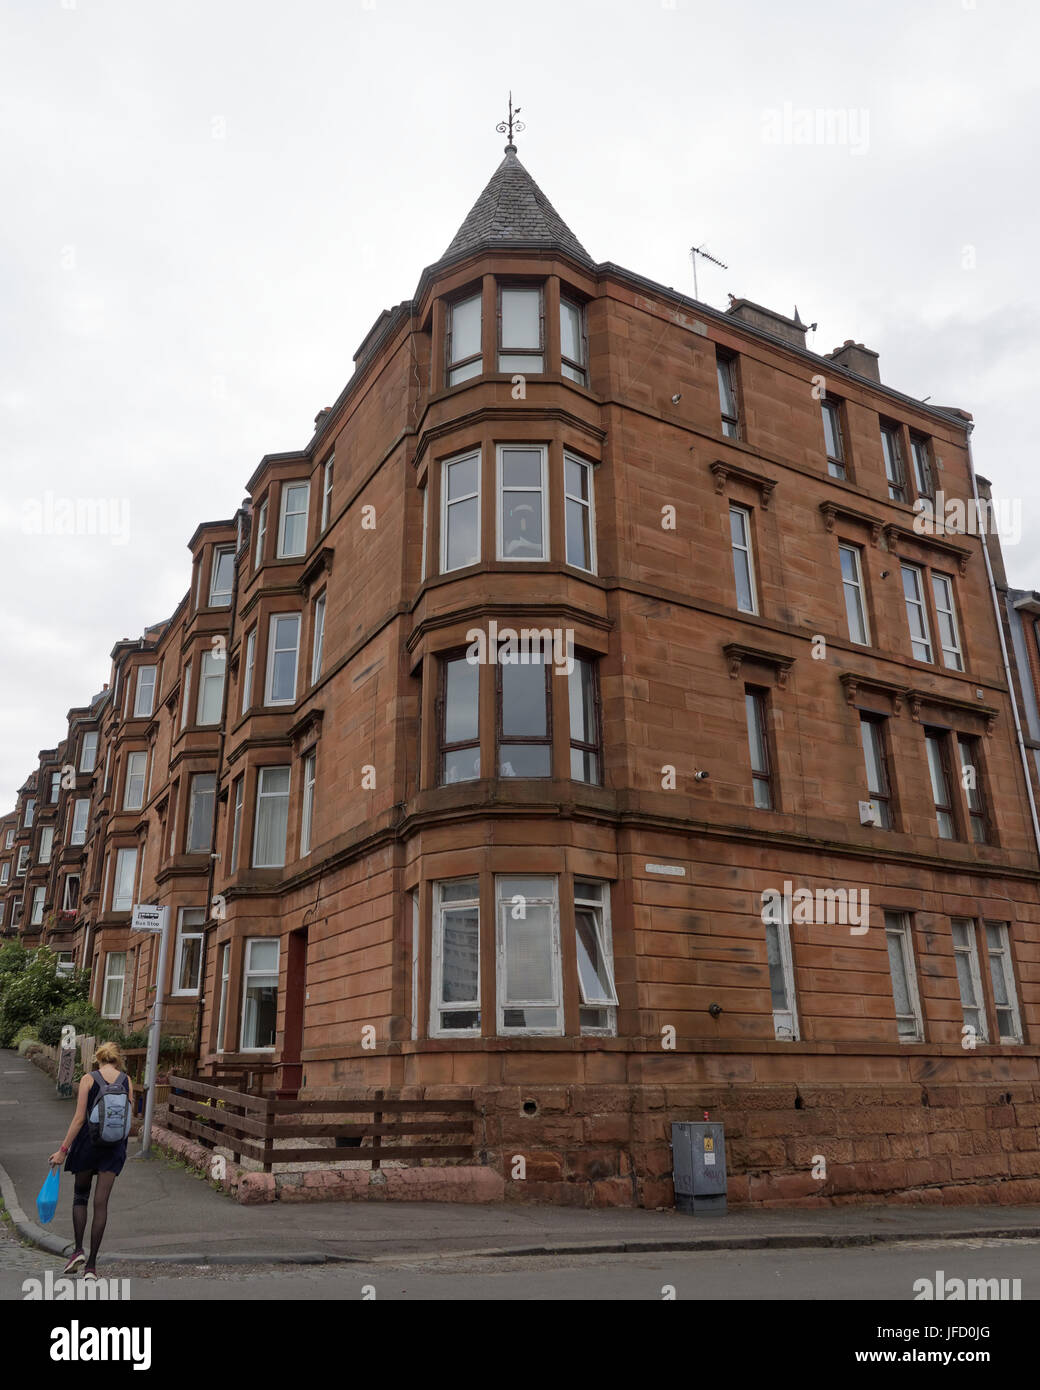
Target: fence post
(377,1139)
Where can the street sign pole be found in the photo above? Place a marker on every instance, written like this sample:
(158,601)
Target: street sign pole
(152,1063)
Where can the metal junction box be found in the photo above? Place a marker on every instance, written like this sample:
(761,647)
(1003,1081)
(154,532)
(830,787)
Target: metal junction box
(699,1167)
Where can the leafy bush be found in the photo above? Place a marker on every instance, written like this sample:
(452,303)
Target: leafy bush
(84,1018)
(13,960)
(138,1039)
(27,1033)
(31,987)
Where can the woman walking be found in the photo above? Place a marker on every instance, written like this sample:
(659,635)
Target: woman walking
(85,1158)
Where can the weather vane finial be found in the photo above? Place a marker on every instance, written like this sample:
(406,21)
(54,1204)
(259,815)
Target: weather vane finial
(511,125)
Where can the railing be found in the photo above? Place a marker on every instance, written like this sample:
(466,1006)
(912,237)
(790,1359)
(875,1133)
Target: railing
(250,1125)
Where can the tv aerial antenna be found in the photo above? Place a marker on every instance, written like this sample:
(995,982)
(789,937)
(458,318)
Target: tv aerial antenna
(696,251)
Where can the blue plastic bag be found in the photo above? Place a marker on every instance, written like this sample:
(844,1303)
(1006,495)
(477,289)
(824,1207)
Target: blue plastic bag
(47,1197)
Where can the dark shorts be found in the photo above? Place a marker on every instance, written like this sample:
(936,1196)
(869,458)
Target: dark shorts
(85,1158)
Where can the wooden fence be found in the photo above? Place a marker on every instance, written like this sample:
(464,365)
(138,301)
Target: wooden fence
(248,1125)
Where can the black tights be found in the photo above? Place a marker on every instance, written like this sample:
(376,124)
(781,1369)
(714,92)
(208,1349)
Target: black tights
(79,1211)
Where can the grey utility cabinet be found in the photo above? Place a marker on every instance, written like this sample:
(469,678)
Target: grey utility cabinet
(699,1167)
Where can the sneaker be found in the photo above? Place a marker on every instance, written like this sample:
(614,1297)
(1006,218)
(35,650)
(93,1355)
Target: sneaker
(89,1274)
(74,1263)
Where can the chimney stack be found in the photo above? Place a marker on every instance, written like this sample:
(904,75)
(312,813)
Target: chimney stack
(857,358)
(319,419)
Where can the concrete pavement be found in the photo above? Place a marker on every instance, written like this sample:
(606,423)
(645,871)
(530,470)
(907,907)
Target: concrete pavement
(162,1212)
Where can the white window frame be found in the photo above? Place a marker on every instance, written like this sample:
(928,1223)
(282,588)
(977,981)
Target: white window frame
(897,927)
(725,366)
(247,973)
(1002,953)
(261,534)
(318,639)
(437,1003)
(46,844)
(474,364)
(456,501)
(831,410)
(425,518)
(894,454)
(747,550)
(572,370)
(921,604)
(66,963)
(55,790)
(10,837)
(503,909)
(144,688)
(307,807)
(5,872)
(249,668)
(214,593)
(327,480)
(288,488)
(189,934)
(132,761)
(186,695)
(855,584)
(924,477)
(600,908)
(78,832)
(590,507)
(212,668)
(85,743)
(124,901)
(110,977)
(260,796)
(193,797)
(29,812)
(39,897)
(536,355)
(273,651)
(543,490)
(970,952)
(776,918)
(225,978)
(956,651)
(22,864)
(65,905)
(236,822)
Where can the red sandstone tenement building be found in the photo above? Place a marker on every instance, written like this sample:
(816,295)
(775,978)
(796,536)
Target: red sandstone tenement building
(540,883)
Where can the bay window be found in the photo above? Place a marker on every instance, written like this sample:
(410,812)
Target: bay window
(580,516)
(524,701)
(260,994)
(272,818)
(463,355)
(460,512)
(521,335)
(523,522)
(455,958)
(125,876)
(283,645)
(292,528)
(200,813)
(529,983)
(187,970)
(573,353)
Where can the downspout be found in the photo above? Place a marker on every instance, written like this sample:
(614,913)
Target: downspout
(1023,755)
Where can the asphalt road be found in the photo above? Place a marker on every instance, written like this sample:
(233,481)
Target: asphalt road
(881,1272)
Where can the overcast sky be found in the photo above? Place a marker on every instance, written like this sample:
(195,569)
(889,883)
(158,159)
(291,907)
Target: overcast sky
(205,205)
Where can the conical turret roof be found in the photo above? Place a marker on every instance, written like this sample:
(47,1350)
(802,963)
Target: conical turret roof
(513,211)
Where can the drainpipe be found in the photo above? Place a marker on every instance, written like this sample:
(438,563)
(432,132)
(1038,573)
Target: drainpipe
(1022,753)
